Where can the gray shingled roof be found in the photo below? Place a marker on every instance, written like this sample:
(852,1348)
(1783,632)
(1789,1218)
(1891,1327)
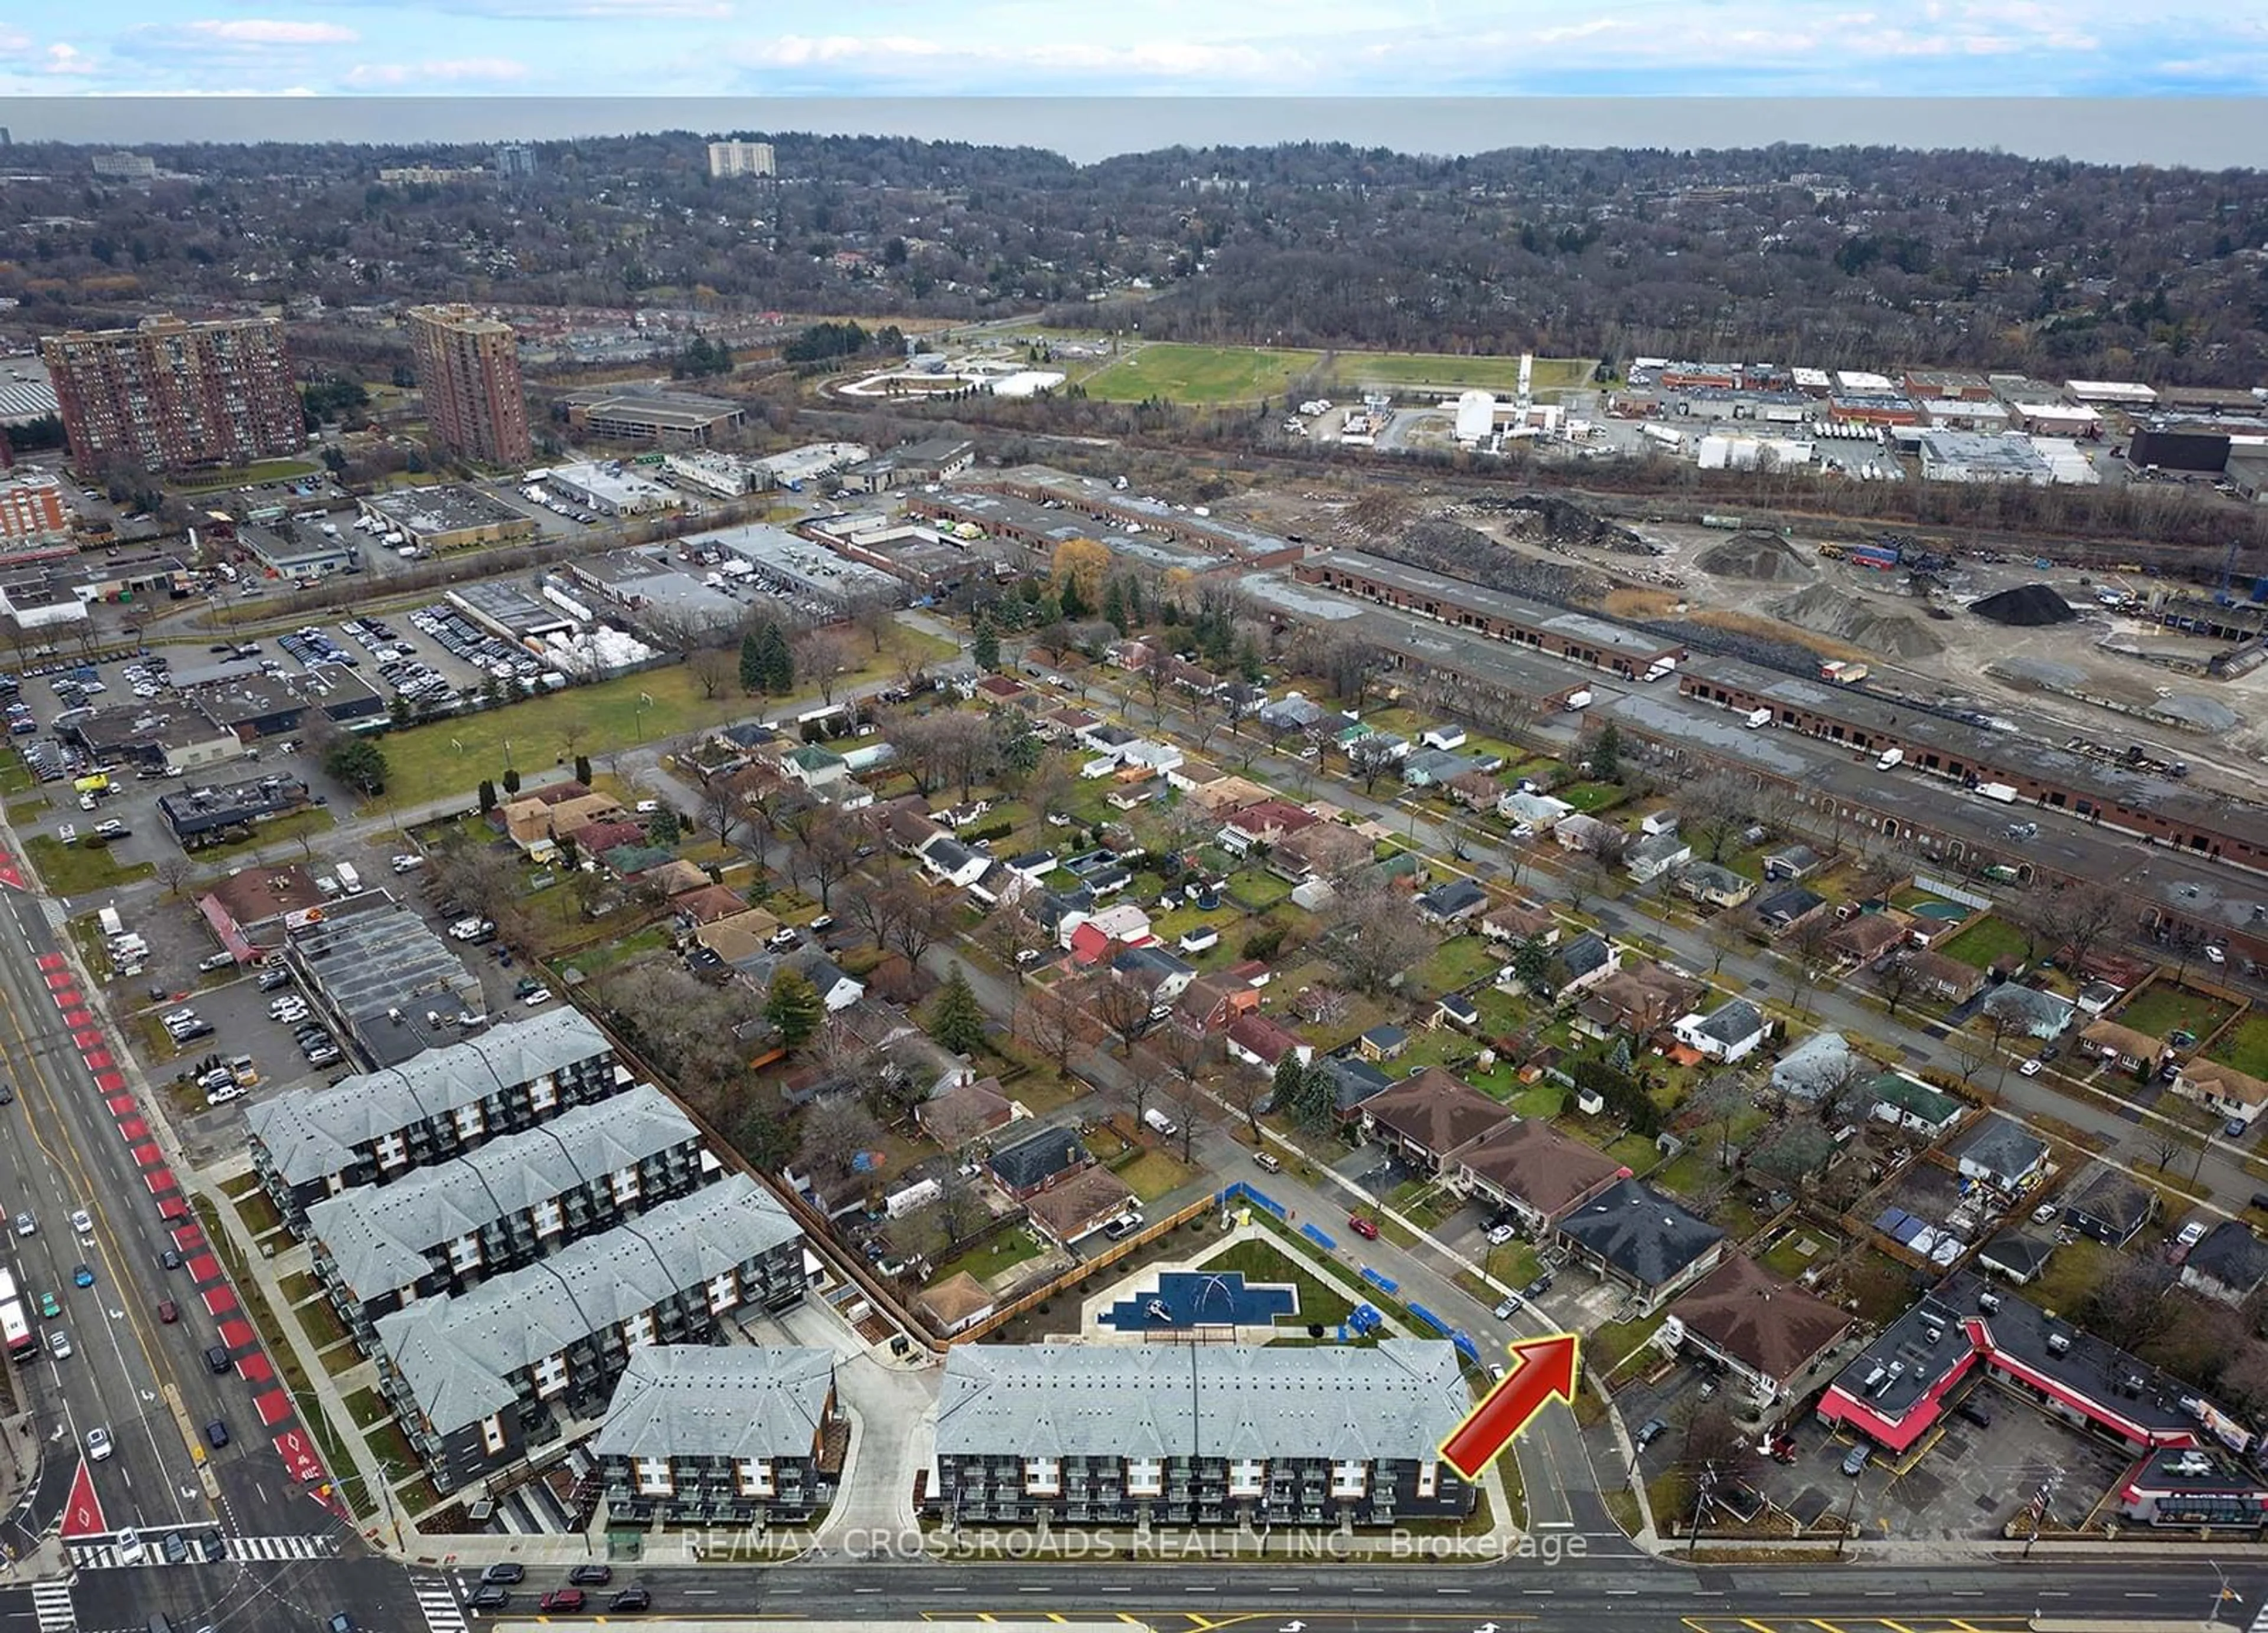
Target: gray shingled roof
(312,1132)
(701,1400)
(1735,1020)
(1641,1232)
(1037,1156)
(379,1234)
(1399,1400)
(457,1352)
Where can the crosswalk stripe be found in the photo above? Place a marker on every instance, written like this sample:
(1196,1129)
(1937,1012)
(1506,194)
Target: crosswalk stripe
(242,1550)
(51,1602)
(439,1601)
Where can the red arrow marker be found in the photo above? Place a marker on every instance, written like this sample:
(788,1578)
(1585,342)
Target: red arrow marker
(1541,1368)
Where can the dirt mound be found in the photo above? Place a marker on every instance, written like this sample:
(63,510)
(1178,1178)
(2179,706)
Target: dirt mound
(1542,518)
(1757,557)
(2026,607)
(1825,610)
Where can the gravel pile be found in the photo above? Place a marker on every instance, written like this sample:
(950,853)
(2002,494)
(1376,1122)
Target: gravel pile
(2026,607)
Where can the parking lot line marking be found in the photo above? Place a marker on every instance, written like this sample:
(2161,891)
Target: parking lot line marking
(1827,1627)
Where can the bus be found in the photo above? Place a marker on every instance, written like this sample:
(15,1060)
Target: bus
(16,1332)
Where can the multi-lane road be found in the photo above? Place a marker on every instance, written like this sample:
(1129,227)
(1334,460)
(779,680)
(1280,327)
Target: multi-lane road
(76,1141)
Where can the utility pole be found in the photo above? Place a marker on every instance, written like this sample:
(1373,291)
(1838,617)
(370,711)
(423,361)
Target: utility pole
(1849,1509)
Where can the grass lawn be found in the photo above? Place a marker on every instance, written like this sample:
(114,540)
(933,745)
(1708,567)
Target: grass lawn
(1199,374)
(72,871)
(2074,1271)
(245,475)
(314,820)
(258,1213)
(1980,945)
(1001,1252)
(1457,962)
(23,811)
(367,1407)
(1443,371)
(2246,1046)
(1589,797)
(1155,1174)
(1797,1251)
(300,1286)
(1260,1262)
(322,1325)
(15,777)
(451,756)
(1615,1343)
(2162,1007)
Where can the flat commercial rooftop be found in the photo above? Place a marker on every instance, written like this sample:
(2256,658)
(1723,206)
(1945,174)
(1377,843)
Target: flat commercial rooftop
(443,508)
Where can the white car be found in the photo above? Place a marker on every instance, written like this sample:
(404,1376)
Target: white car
(2192,1233)
(98,1444)
(541,995)
(2042,1214)
(647,807)
(83,1222)
(59,1343)
(2029,1069)
(131,1548)
(406,863)
(1501,1235)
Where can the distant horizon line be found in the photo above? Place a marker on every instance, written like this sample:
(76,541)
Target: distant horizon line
(2205,133)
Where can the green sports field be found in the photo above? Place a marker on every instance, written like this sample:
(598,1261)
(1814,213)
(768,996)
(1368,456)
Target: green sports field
(1200,374)
(1231,374)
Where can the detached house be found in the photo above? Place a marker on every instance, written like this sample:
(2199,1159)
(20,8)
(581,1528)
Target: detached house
(1260,1040)
(1947,980)
(1637,1001)
(1784,911)
(2002,1155)
(2229,1265)
(1431,1117)
(1588,958)
(1715,886)
(1731,1032)
(1264,823)
(1859,941)
(1041,1159)
(1633,1234)
(1452,903)
(1519,921)
(2223,1090)
(1655,855)
(1157,972)
(1539,1174)
(951,863)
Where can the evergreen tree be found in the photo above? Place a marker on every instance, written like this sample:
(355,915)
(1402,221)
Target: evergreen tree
(778,661)
(752,664)
(985,649)
(1073,604)
(488,796)
(958,1023)
(1531,962)
(583,769)
(511,783)
(1289,1081)
(1607,756)
(793,1006)
(1114,607)
(663,827)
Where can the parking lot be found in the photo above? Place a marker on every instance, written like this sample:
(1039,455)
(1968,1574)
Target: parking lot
(1967,1483)
(238,1005)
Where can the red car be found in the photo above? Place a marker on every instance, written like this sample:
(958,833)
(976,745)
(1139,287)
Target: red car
(1365,1228)
(561,1598)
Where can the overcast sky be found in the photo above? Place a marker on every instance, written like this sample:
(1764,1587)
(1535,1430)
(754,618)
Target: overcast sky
(1788,65)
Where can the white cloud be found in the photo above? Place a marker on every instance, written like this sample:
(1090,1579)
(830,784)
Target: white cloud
(68,60)
(454,71)
(1581,31)
(270,31)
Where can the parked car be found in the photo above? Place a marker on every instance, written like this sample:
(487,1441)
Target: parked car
(1499,1235)
(1650,1431)
(1367,1229)
(1855,1460)
(2029,1069)
(1973,1411)
(2192,1234)
(1506,1307)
